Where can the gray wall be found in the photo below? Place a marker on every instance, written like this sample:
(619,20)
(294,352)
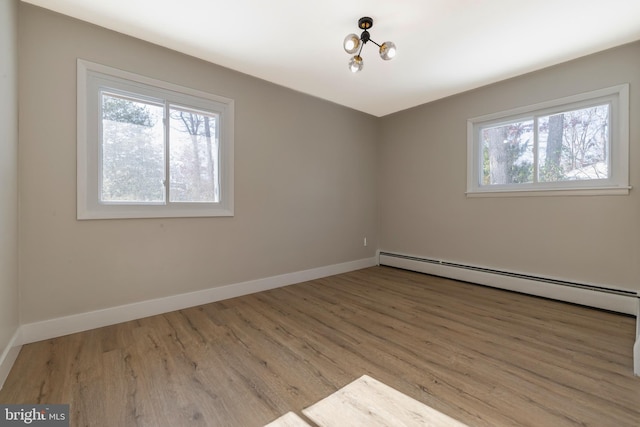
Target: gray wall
(422,175)
(312,179)
(9,318)
(305,193)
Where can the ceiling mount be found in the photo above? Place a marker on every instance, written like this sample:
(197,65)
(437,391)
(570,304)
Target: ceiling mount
(352,44)
(365,23)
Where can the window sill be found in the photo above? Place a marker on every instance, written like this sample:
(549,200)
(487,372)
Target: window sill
(597,191)
(173,210)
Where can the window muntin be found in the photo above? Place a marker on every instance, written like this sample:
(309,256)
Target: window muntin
(151,149)
(576,143)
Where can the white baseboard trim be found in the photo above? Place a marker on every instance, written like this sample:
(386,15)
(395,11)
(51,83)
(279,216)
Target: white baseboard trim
(9,356)
(47,329)
(636,346)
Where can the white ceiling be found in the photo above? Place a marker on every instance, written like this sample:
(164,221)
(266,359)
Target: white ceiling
(444,46)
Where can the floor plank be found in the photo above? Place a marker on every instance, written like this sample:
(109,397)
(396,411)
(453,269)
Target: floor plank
(483,356)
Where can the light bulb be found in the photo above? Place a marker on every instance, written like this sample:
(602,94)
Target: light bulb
(356,64)
(351,43)
(387,50)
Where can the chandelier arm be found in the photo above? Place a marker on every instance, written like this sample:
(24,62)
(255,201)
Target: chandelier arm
(374,43)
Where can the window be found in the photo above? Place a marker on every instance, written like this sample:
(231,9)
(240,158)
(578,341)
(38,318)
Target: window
(574,145)
(149,149)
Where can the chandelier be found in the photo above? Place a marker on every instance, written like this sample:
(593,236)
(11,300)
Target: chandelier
(352,44)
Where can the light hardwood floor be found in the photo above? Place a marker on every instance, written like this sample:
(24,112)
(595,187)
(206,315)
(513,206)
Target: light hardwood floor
(483,356)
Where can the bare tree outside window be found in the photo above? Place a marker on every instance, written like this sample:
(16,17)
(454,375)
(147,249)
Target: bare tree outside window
(576,144)
(508,153)
(132,151)
(148,148)
(572,145)
(194,148)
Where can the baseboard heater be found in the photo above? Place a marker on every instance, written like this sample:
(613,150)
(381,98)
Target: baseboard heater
(607,298)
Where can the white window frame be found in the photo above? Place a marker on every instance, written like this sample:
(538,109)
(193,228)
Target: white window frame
(91,79)
(618,182)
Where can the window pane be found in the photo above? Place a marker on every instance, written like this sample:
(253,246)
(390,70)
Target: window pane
(193,156)
(574,145)
(132,151)
(507,153)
